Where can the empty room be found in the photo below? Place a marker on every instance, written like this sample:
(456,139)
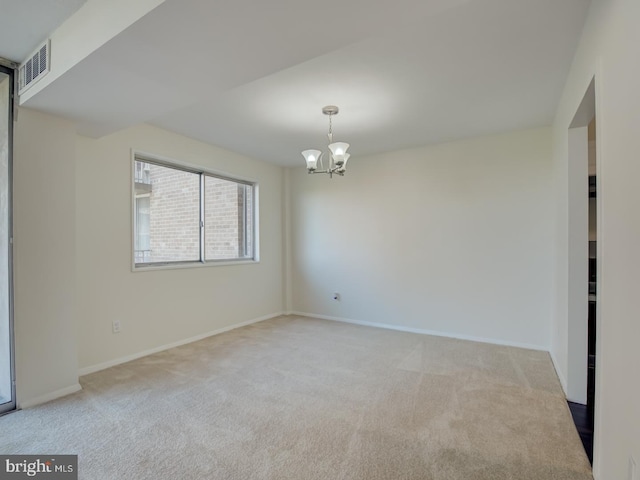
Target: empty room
(300,240)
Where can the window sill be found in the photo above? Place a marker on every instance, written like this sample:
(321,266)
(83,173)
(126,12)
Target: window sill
(177,265)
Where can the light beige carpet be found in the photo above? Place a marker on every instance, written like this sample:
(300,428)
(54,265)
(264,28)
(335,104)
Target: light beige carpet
(294,398)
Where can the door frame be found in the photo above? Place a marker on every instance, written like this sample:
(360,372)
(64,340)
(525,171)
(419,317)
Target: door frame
(11,72)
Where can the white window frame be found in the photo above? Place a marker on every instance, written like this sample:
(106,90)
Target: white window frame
(140,156)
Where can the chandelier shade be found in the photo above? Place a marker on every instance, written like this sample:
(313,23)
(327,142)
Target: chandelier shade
(312,157)
(339,152)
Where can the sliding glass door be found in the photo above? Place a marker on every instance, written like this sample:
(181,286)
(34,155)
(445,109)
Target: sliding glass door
(7,384)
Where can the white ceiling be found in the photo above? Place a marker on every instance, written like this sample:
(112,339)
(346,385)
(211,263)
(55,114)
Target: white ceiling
(26,23)
(252,76)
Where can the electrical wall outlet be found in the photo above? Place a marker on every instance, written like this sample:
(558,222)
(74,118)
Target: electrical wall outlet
(116,326)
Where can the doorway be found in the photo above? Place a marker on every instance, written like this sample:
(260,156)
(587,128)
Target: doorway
(582,268)
(7,364)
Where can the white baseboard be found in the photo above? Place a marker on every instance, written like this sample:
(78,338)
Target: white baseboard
(32,402)
(135,356)
(422,331)
(563,381)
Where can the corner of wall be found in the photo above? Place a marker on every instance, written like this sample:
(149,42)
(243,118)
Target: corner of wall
(287,254)
(558,370)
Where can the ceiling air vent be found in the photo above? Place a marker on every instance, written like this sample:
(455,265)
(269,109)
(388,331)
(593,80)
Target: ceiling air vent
(35,67)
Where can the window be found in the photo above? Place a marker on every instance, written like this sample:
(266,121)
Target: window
(184,216)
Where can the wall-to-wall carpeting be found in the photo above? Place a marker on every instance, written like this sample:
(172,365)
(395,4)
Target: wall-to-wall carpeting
(298,398)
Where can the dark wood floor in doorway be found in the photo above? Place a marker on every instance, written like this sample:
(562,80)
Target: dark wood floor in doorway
(584,424)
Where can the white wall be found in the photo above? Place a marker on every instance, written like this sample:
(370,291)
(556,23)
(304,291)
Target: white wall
(608,50)
(578,193)
(453,238)
(44,257)
(161,307)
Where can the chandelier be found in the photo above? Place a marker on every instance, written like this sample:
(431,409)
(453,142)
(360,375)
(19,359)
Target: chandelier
(338,157)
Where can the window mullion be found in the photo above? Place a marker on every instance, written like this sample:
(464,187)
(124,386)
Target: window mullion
(244,220)
(202,214)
